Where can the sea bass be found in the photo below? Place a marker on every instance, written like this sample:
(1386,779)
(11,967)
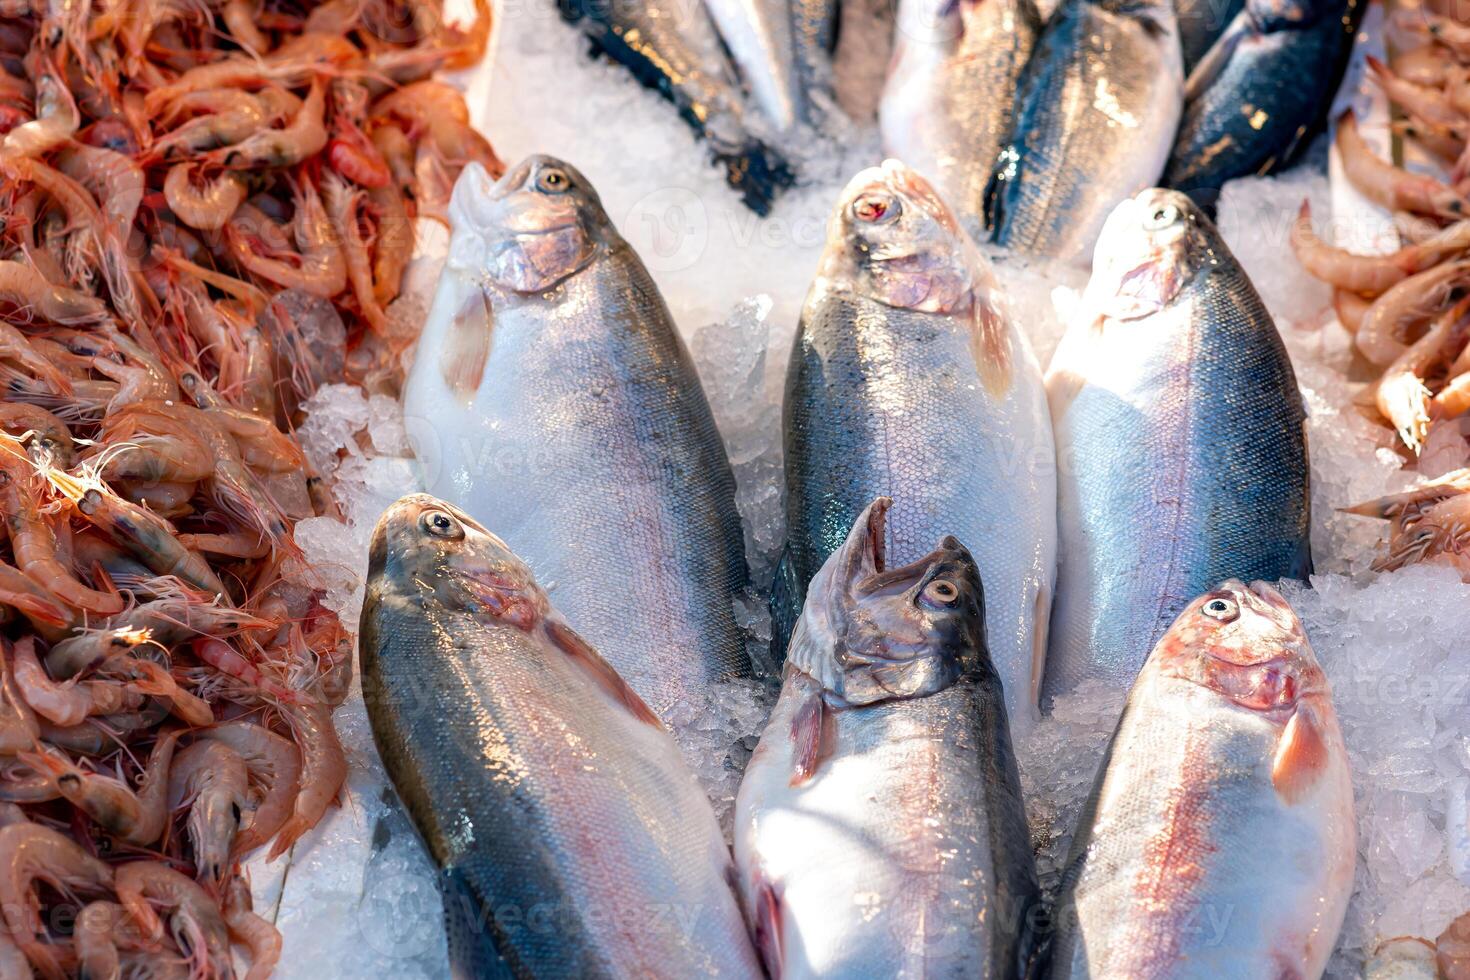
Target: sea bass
(758,36)
(1182,458)
(551,395)
(909,378)
(949,102)
(674,48)
(571,839)
(1261,92)
(879,831)
(1094,121)
(1220,841)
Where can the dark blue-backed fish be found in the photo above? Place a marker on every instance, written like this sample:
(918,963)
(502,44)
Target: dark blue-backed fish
(1200,23)
(1261,92)
(571,839)
(1181,453)
(673,47)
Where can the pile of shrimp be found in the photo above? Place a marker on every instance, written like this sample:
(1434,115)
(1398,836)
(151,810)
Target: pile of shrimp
(1408,310)
(206,211)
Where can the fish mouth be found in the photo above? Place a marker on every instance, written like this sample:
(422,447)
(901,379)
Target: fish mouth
(864,557)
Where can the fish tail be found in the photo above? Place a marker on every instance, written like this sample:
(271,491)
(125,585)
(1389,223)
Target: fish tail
(758,172)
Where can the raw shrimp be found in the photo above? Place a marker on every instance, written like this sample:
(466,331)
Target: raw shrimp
(20,782)
(1391,186)
(439,110)
(70,702)
(31,853)
(343,203)
(25,289)
(31,600)
(134,818)
(1428,64)
(1401,394)
(149,537)
(50,442)
(260,246)
(323,771)
(237,544)
(259,936)
(211,780)
(15,346)
(1380,334)
(230,116)
(239,16)
(18,725)
(34,543)
(99,928)
(1369,273)
(57,118)
(206,205)
(274,764)
(1422,101)
(303,137)
(349,151)
(293,63)
(194,920)
(228,661)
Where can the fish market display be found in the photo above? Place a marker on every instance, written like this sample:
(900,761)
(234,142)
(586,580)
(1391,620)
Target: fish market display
(910,378)
(879,829)
(1095,116)
(1261,92)
(573,420)
(1219,841)
(758,34)
(949,101)
(1179,428)
(205,211)
(543,786)
(675,48)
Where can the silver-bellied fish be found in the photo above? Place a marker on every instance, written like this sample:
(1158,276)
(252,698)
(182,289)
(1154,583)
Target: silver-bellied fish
(1182,458)
(1261,92)
(1219,840)
(571,839)
(909,378)
(1094,121)
(758,35)
(673,47)
(879,831)
(949,102)
(551,395)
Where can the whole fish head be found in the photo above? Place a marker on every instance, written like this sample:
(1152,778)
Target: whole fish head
(426,551)
(539,224)
(1246,644)
(893,239)
(870,633)
(1151,246)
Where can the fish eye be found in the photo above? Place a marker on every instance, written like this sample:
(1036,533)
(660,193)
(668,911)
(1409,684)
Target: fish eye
(1162,217)
(441,525)
(1221,608)
(875,208)
(941,592)
(553,180)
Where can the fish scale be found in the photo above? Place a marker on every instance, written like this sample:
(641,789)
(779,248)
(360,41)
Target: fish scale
(571,839)
(1182,456)
(1095,116)
(589,446)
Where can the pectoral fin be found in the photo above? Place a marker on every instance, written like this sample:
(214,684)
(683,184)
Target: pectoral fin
(467,347)
(1301,754)
(599,671)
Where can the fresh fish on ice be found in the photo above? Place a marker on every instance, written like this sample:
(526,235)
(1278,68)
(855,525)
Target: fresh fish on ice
(1094,121)
(949,102)
(813,39)
(1182,457)
(1261,92)
(672,46)
(909,378)
(552,397)
(1200,23)
(758,35)
(1220,839)
(570,837)
(879,831)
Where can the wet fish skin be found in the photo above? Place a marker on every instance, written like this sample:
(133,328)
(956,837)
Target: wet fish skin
(1095,117)
(1262,91)
(559,403)
(813,38)
(672,46)
(879,829)
(758,34)
(1200,23)
(1220,840)
(469,671)
(1182,457)
(909,378)
(949,102)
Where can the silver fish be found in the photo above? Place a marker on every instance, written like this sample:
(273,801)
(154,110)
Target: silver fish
(813,38)
(909,378)
(949,102)
(1182,458)
(1220,840)
(879,830)
(1094,123)
(758,36)
(571,839)
(551,395)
